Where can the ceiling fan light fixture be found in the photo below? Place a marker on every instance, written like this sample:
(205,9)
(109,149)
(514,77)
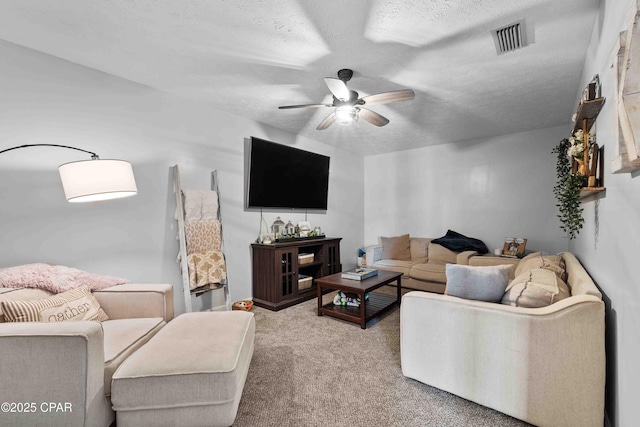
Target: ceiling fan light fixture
(346,115)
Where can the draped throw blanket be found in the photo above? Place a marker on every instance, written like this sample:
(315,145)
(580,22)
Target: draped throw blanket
(206,269)
(203,235)
(200,204)
(54,278)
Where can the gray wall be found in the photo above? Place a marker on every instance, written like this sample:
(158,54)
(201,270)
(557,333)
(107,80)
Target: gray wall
(489,188)
(608,245)
(49,100)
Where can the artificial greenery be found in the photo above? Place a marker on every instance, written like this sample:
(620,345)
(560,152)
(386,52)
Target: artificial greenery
(567,191)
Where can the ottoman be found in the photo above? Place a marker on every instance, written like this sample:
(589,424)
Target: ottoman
(191,373)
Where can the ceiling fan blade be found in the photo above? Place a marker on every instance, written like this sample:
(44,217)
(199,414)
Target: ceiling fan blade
(393,96)
(338,88)
(372,117)
(328,121)
(284,107)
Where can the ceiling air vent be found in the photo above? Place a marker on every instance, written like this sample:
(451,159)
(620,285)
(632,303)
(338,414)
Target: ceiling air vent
(510,38)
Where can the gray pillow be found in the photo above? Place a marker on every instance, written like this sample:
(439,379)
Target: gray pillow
(478,283)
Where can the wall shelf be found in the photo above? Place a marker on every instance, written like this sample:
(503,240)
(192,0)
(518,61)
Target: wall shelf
(590,191)
(587,110)
(586,116)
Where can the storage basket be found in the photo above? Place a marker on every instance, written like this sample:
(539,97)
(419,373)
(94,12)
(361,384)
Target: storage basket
(304,282)
(244,305)
(305,259)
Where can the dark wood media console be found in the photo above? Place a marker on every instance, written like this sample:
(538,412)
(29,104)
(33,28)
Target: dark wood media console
(276,269)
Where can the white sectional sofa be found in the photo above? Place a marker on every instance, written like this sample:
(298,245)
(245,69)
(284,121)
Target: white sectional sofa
(543,365)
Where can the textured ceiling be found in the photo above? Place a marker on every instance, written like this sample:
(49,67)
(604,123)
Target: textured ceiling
(251,56)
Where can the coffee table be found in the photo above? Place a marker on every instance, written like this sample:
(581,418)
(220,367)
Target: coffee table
(376,304)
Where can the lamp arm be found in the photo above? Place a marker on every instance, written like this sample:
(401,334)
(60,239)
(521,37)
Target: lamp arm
(93,155)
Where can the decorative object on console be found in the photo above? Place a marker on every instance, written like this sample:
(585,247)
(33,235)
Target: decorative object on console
(92,180)
(278,227)
(290,228)
(459,242)
(514,247)
(304,227)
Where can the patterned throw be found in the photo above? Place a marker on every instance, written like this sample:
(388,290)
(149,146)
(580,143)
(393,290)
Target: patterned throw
(203,235)
(206,269)
(54,278)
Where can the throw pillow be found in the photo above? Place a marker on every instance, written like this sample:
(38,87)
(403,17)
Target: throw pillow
(485,283)
(73,305)
(458,243)
(535,288)
(396,248)
(553,263)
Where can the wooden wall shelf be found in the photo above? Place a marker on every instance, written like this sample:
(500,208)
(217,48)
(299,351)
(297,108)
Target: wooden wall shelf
(586,116)
(588,110)
(590,191)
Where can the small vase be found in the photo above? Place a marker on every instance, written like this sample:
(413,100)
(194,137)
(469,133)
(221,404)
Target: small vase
(582,167)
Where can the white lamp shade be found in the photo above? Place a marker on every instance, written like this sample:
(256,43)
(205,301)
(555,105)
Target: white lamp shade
(97,179)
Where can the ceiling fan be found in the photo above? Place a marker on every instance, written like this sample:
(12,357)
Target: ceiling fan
(348,106)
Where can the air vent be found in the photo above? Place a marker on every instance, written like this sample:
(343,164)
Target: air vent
(510,38)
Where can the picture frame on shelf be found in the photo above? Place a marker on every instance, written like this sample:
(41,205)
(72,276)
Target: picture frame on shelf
(514,247)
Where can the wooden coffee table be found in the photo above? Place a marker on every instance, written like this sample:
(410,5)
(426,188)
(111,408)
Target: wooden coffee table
(376,304)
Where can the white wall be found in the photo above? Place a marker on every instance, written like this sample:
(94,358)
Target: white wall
(488,189)
(608,244)
(49,100)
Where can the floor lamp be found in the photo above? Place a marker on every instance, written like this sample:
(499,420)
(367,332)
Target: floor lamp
(93,180)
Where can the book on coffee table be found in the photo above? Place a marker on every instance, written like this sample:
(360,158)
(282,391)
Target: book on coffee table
(359,273)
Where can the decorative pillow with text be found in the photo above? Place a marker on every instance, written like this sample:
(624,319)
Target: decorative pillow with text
(74,305)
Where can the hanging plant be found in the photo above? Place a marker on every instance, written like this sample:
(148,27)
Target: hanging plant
(567,191)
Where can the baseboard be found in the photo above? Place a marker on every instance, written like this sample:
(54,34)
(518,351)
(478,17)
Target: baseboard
(218,308)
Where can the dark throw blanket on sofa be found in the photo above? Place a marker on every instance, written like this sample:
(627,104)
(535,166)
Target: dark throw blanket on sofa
(458,243)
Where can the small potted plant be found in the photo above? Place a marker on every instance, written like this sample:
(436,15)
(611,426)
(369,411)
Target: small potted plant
(568,184)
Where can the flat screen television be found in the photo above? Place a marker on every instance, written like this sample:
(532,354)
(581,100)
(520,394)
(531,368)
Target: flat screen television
(284,177)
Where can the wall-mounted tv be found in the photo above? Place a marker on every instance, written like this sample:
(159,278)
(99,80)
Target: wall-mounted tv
(283,177)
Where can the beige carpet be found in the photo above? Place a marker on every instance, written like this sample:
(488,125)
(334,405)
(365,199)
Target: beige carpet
(321,371)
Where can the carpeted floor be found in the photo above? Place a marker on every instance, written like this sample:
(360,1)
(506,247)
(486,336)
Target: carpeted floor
(321,371)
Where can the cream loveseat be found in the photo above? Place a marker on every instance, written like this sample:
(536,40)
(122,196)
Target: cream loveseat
(422,263)
(543,365)
(59,374)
